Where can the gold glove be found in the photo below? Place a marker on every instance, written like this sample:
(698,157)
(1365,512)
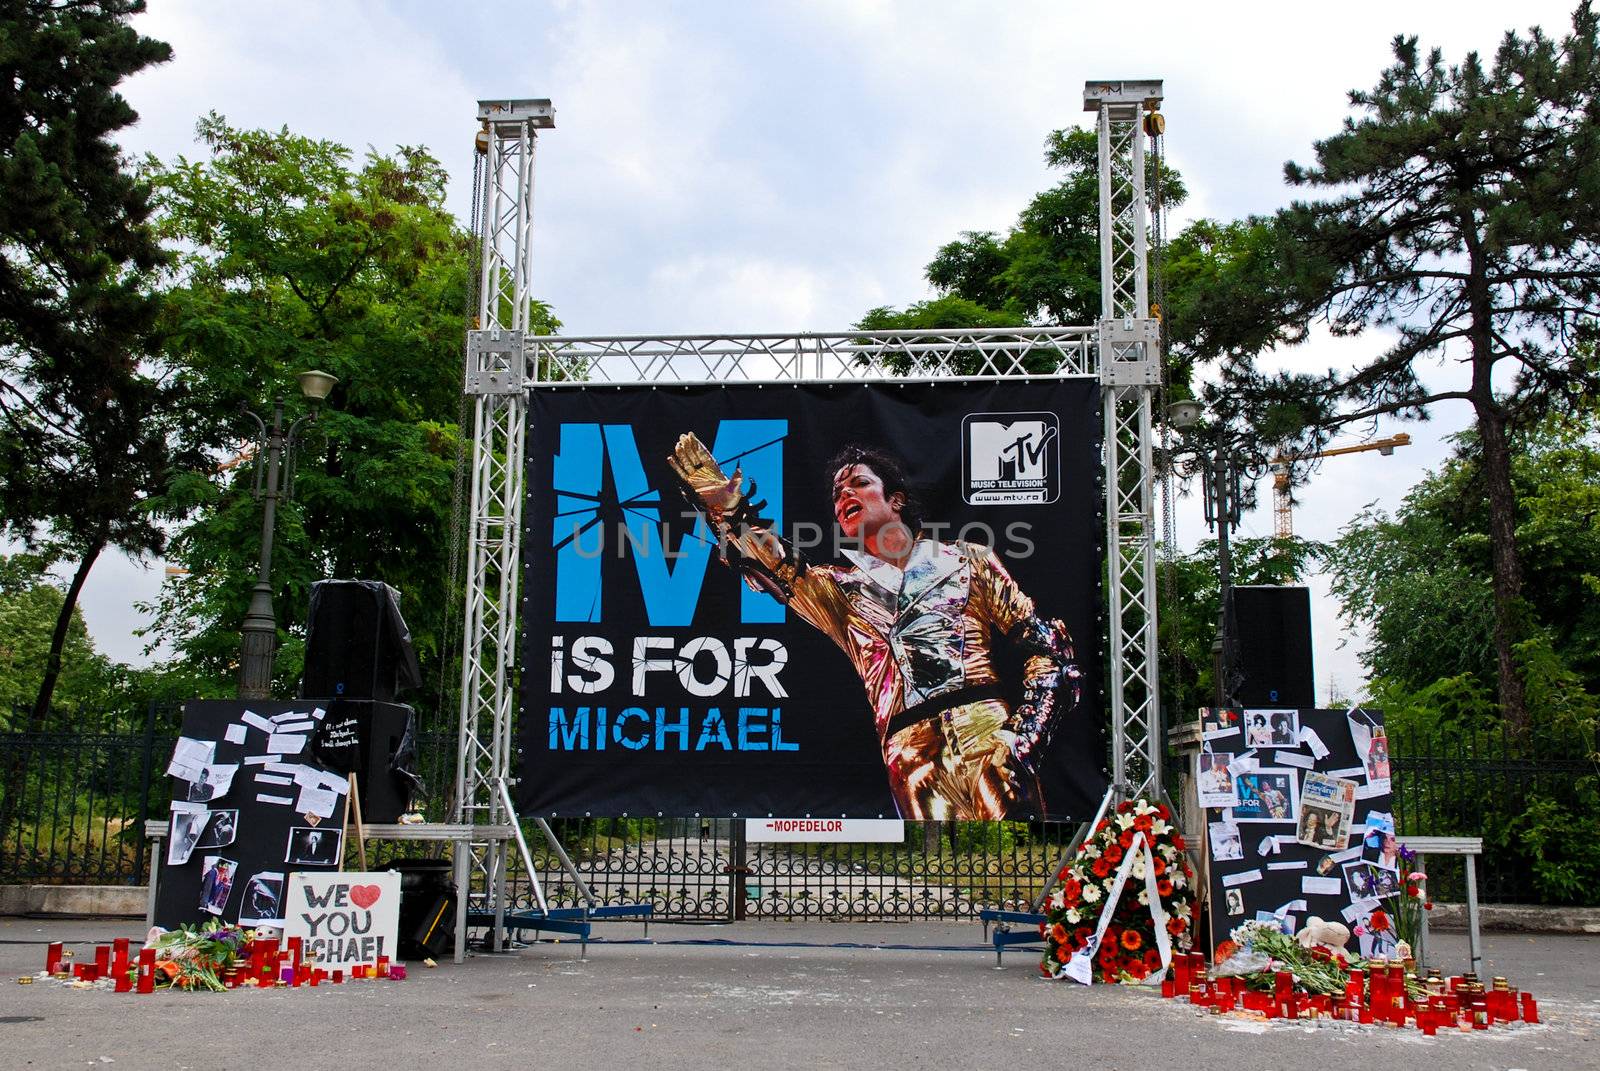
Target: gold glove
(700,472)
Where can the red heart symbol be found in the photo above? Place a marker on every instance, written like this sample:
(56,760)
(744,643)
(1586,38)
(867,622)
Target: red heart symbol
(365,895)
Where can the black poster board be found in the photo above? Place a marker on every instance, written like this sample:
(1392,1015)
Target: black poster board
(265,838)
(1263,735)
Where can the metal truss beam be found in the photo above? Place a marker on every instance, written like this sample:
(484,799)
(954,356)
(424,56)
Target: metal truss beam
(503,360)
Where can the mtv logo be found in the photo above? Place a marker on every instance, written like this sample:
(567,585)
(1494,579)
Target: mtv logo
(1010,458)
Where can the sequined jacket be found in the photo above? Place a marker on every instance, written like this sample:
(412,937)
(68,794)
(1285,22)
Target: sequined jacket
(925,633)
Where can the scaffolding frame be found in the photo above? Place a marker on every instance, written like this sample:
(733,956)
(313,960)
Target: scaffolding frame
(504,360)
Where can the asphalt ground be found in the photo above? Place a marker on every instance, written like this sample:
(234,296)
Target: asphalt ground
(747,996)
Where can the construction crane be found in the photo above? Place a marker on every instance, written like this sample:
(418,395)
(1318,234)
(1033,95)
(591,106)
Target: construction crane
(1283,505)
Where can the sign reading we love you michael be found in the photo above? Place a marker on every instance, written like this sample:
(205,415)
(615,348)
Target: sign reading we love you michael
(344,919)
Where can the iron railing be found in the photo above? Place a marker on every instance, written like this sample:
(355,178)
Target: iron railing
(86,789)
(1492,783)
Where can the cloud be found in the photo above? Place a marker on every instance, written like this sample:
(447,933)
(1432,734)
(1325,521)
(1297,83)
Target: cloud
(746,167)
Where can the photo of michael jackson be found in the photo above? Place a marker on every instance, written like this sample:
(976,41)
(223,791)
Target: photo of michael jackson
(918,618)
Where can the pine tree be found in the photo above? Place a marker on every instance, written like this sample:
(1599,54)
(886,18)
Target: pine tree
(1464,215)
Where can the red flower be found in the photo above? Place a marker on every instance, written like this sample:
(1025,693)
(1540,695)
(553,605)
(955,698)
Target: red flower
(1105,824)
(1428,906)
(1162,811)
(1161,866)
(1108,976)
(1072,889)
(1379,922)
(1107,957)
(1164,887)
(1132,940)
(1058,934)
(1124,807)
(1113,855)
(1101,868)
(1152,959)
(1136,969)
(1082,934)
(1063,953)
(1179,843)
(1126,840)
(1175,925)
(1143,823)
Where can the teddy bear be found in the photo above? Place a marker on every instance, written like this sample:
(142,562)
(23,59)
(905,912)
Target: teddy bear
(1332,936)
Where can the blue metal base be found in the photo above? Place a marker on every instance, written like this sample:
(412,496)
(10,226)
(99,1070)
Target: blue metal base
(573,920)
(1004,935)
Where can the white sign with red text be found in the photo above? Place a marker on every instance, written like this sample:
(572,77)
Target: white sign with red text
(344,918)
(838,830)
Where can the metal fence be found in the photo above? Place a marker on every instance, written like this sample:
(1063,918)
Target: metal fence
(1521,793)
(84,790)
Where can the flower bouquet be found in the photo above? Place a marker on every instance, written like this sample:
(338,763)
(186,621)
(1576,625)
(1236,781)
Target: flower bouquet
(1129,952)
(197,956)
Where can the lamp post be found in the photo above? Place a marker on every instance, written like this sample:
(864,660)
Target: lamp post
(1223,457)
(274,480)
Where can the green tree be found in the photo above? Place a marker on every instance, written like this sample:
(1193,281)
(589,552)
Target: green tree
(1463,213)
(1422,577)
(30,604)
(83,439)
(295,259)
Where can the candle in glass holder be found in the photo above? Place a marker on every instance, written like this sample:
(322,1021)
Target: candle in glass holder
(147,970)
(52,957)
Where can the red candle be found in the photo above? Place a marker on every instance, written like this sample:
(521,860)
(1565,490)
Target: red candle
(383,966)
(1428,1021)
(52,957)
(1168,987)
(1366,1014)
(1530,1009)
(147,970)
(338,977)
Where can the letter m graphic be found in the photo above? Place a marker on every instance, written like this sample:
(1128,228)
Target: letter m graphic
(670,581)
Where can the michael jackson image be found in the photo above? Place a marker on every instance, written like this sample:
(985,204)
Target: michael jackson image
(917,617)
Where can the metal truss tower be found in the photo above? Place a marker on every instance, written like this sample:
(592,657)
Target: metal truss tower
(496,374)
(504,360)
(1130,372)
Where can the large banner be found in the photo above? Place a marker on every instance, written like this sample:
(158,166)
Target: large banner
(830,600)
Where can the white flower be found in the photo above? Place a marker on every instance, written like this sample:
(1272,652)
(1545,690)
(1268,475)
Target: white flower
(1125,820)
(1160,827)
(1073,916)
(1091,893)
(1144,897)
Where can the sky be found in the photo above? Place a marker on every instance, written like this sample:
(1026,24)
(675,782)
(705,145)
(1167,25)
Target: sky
(728,167)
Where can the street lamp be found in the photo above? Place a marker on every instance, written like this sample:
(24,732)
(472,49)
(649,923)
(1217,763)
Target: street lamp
(1223,456)
(259,636)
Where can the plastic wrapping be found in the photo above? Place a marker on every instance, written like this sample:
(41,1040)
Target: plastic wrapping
(393,651)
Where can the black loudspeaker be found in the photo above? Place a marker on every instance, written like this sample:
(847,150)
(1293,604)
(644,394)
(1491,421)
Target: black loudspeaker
(1272,647)
(427,906)
(357,644)
(376,742)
